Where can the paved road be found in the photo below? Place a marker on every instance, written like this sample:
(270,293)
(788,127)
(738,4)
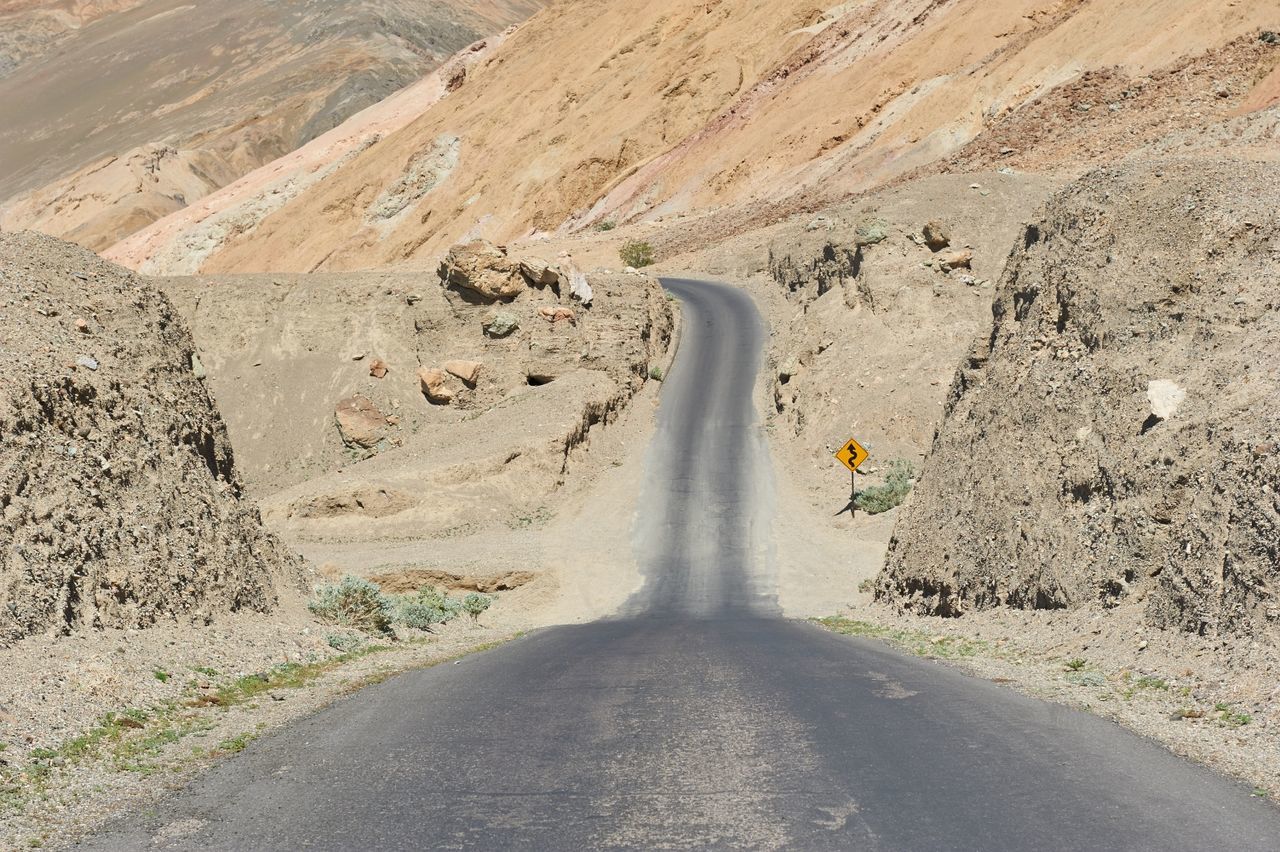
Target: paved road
(701,718)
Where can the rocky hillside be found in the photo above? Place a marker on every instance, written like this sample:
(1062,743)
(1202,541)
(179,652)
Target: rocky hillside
(1113,441)
(121,503)
(119,113)
(609,111)
(409,404)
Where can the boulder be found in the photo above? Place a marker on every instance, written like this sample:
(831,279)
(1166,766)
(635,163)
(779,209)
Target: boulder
(955,260)
(936,236)
(538,273)
(484,270)
(360,423)
(468,371)
(378,368)
(435,385)
(554,314)
(579,288)
(501,324)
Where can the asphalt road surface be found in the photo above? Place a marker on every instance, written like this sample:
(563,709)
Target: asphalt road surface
(701,718)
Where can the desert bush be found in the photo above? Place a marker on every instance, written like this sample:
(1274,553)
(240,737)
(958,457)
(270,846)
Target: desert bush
(426,607)
(636,253)
(606,225)
(896,487)
(655,372)
(344,642)
(354,602)
(420,616)
(476,603)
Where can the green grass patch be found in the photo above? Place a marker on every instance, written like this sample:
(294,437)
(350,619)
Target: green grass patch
(132,740)
(1229,717)
(135,740)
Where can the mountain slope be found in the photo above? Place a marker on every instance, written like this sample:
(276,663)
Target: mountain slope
(143,110)
(605,110)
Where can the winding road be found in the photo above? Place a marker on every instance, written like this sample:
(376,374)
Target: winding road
(700,717)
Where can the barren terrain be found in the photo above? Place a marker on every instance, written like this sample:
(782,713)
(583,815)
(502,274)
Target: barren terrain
(1024,251)
(195,97)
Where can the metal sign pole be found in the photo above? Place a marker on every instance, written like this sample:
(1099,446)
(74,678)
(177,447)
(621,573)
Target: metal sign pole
(853,494)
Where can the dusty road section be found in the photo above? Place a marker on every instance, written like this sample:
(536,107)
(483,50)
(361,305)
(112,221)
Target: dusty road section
(699,720)
(705,506)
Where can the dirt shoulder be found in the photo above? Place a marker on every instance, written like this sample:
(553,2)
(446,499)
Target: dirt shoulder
(139,751)
(1194,696)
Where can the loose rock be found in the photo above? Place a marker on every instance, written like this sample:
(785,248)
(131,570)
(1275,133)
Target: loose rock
(501,324)
(468,371)
(360,423)
(936,236)
(435,385)
(557,314)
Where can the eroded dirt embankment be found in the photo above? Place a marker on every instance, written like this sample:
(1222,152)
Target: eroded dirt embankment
(1123,404)
(122,505)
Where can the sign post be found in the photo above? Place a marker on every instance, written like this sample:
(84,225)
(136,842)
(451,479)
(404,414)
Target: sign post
(852,455)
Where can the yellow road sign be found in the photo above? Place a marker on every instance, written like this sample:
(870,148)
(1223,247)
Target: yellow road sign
(852,455)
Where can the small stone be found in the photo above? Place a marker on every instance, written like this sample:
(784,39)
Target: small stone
(1165,398)
(87,362)
(468,371)
(871,232)
(359,422)
(936,236)
(435,385)
(501,324)
(197,368)
(378,368)
(82,325)
(962,259)
(555,314)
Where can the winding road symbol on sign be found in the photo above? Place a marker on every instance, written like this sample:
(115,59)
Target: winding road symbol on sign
(852,455)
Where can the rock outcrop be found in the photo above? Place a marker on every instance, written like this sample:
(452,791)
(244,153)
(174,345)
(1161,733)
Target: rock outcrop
(1111,441)
(120,504)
